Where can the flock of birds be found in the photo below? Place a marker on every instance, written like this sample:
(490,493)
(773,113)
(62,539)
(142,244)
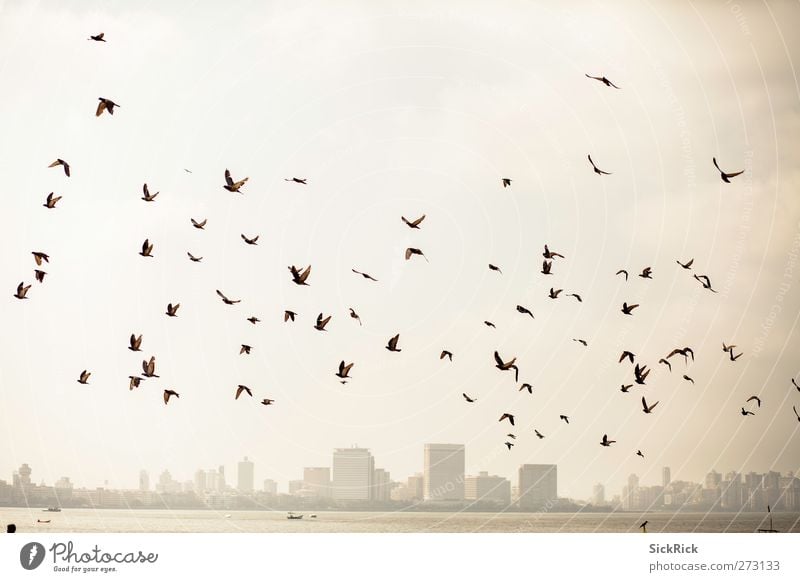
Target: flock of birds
(301,276)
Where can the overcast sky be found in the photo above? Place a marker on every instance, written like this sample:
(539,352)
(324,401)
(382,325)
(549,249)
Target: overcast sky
(389,109)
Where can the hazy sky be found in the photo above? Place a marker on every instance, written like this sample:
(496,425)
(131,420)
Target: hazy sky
(390,109)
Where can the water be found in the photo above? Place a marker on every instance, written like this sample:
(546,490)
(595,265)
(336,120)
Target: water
(138,520)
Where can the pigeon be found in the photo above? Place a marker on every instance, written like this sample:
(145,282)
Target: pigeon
(747,412)
(392,344)
(227,301)
(501,365)
(322,322)
(412,251)
(344,370)
(506,182)
(687,265)
(446,354)
(134,382)
(365,275)
(648,409)
(245,349)
(546,266)
(97,37)
(168,394)
(299,277)
(241,388)
(296,180)
(172,310)
(39,275)
(199,225)
(147,248)
(232,186)
(507,416)
(468,398)
(603,80)
(250,241)
(355,315)
(647,273)
(147,197)
(554,293)
(22,291)
(62,163)
(149,368)
(605,442)
(84,377)
(627,309)
(253,319)
(413,223)
(597,170)
(724,175)
(105,105)
(51,201)
(135,343)
(525,311)
(267,401)
(287,315)
(564,417)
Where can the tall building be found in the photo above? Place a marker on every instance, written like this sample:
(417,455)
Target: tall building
(538,486)
(317,480)
(221,483)
(353,470)
(599,495)
(270,487)
(666,477)
(485,487)
(200,484)
(212,481)
(443,472)
(416,487)
(144,480)
(244,483)
(295,486)
(381,485)
(713,480)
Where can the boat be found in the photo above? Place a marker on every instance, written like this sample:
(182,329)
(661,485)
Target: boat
(52,509)
(771,528)
(42,521)
(292,515)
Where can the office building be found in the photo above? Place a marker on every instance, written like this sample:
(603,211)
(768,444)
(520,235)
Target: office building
(244,482)
(317,480)
(443,472)
(538,487)
(144,480)
(487,488)
(353,471)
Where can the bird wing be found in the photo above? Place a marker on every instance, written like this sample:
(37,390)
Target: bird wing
(221,294)
(100,108)
(717,165)
(417,221)
(228,179)
(734,174)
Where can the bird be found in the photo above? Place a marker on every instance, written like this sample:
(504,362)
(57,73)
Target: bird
(527,387)
(489,324)
(62,163)
(22,290)
(187,170)
(97,37)
(193,258)
(554,293)
(242,388)
(245,349)
(509,445)
(548,254)
(355,315)
(84,377)
(622,272)
(392,344)
(412,251)
(232,186)
(297,180)
(705,282)
(299,277)
(105,105)
(507,416)
(576,296)
(546,266)
(39,275)
(446,353)
(640,453)
(365,275)
(538,434)
(147,197)
(648,409)
(134,382)
(413,223)
(135,343)
(506,182)
(525,311)
(688,379)
(322,322)
(685,352)
(756,398)
(643,526)
(172,310)
(724,175)
(747,412)
(501,365)
(626,388)
(168,394)
(564,417)
(344,370)
(687,265)
(495,268)
(605,442)
(468,398)
(199,225)
(603,80)
(51,201)
(250,241)
(795,385)
(736,357)
(580,341)
(267,401)
(728,348)
(627,309)
(149,368)
(253,319)
(287,315)
(647,273)
(640,374)
(597,170)
(147,248)
(227,301)
(665,362)
(512,436)
(626,354)
(794,408)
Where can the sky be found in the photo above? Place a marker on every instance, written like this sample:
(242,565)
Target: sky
(393,109)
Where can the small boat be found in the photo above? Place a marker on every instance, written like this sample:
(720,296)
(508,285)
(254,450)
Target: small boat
(292,515)
(771,529)
(313,516)
(52,509)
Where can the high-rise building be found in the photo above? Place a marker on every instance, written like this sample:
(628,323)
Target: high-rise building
(295,486)
(599,495)
(317,480)
(416,487)
(381,485)
(221,483)
(353,470)
(22,477)
(270,487)
(666,477)
(200,484)
(485,487)
(144,480)
(538,486)
(713,480)
(443,472)
(212,481)
(244,482)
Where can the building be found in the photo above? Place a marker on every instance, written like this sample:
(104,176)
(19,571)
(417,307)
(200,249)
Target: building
(443,472)
(244,482)
(353,471)
(295,486)
(144,480)
(381,485)
(416,487)
(666,477)
(538,487)
(599,495)
(270,487)
(200,484)
(318,481)
(485,487)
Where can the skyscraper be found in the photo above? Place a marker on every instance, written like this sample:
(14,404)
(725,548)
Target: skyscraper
(443,472)
(538,486)
(666,477)
(318,480)
(200,483)
(244,483)
(353,470)
(144,480)
(270,487)
(599,495)
(381,485)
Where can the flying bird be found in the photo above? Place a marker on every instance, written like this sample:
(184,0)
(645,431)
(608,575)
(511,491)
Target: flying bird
(412,251)
(580,341)
(507,416)
(245,349)
(665,362)
(287,315)
(705,282)
(546,266)
(39,257)
(747,412)
(548,254)
(299,277)
(597,170)
(510,365)
(97,37)
(467,398)
(685,352)
(724,175)
(355,315)
(538,434)
(626,388)
(168,394)
(365,275)
(193,258)
(647,273)
(22,290)
(39,275)
(147,248)
(253,319)
(227,301)
(687,265)
(296,180)
(135,343)
(640,374)
(250,241)
(794,408)
(446,353)
(172,310)
(267,401)
(105,105)
(648,409)
(62,163)
(622,272)
(527,387)
(392,344)
(489,324)
(344,370)
(756,398)
(149,368)
(322,322)
(627,309)
(554,293)
(506,182)
(199,225)
(640,453)
(795,385)
(509,445)
(564,417)
(603,80)
(626,354)
(495,268)
(242,388)
(605,442)
(147,197)
(728,348)
(736,357)
(51,201)
(84,378)
(413,223)
(134,382)
(232,186)
(525,311)
(688,379)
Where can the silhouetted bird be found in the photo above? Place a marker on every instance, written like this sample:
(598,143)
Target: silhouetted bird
(84,377)
(39,275)
(300,277)
(538,434)
(344,370)
(687,265)
(640,374)
(147,248)
(135,343)
(296,180)
(168,394)
(527,387)
(647,273)
(97,37)
(199,225)
(267,401)
(605,442)
(495,268)
(392,344)
(627,309)
(597,170)
(507,416)
(626,354)
(747,412)
(546,267)
(253,319)
(467,398)
(756,398)
(355,315)
(22,291)
(232,186)
(705,282)
(413,223)
(548,254)
(603,80)
(250,241)
(724,175)
(147,197)
(666,363)
(622,272)
(149,368)
(688,379)
(564,417)
(509,445)
(489,324)
(134,382)
(227,301)
(287,315)
(506,182)
(510,365)
(643,526)
(576,296)
(51,201)
(648,409)
(580,341)
(62,163)
(193,258)
(640,453)
(322,322)
(524,310)
(245,349)
(172,310)
(412,251)
(446,354)
(105,105)
(365,275)
(242,388)
(554,293)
